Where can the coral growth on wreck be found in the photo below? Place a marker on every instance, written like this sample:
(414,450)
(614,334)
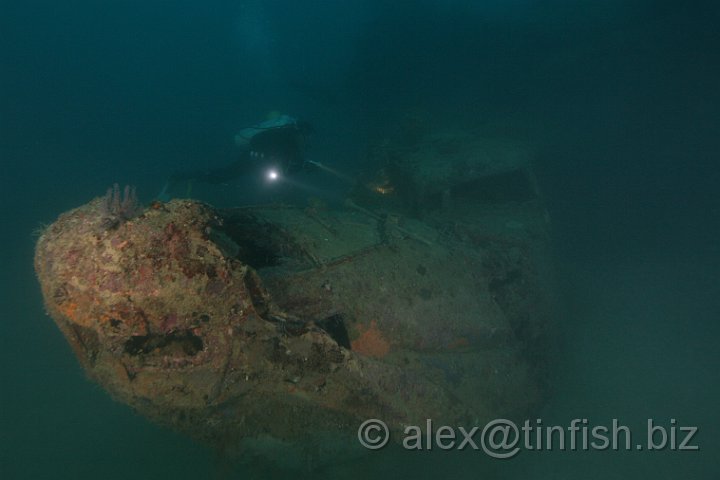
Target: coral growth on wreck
(118,207)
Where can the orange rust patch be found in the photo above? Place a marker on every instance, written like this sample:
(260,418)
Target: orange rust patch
(460,342)
(70,311)
(371,343)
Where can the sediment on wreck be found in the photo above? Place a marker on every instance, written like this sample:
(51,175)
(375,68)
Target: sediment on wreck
(277,329)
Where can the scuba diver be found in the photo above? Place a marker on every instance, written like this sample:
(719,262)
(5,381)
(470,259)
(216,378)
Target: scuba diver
(273,150)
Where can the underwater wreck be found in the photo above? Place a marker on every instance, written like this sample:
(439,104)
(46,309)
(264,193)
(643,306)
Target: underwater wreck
(276,330)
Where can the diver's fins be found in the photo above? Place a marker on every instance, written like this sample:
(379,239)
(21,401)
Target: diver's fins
(163,196)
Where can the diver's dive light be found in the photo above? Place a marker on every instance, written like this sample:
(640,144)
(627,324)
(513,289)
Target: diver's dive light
(272,175)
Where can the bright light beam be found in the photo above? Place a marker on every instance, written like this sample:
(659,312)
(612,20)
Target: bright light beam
(332,171)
